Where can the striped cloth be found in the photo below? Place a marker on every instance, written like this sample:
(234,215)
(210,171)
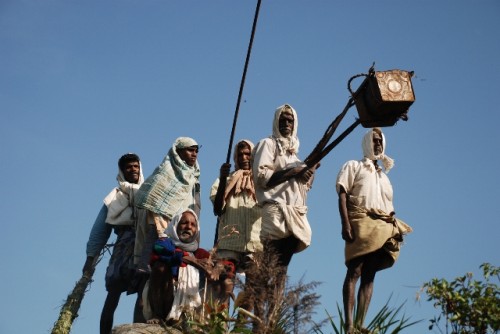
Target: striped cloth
(172,186)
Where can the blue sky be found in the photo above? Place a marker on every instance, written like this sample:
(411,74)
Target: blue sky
(81,83)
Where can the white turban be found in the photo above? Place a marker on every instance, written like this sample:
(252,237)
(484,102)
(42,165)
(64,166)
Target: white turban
(171,232)
(290,143)
(183,142)
(367,145)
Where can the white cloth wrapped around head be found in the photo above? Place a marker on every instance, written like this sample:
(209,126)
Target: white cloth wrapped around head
(290,143)
(367,145)
(171,232)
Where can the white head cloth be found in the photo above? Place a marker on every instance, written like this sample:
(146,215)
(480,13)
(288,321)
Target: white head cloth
(120,201)
(367,145)
(183,142)
(171,232)
(286,144)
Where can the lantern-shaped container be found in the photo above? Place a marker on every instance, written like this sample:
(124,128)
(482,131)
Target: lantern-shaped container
(384,97)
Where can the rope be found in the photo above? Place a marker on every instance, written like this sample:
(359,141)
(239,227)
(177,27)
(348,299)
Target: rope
(242,84)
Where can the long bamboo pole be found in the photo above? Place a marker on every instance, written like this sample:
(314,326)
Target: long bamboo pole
(242,84)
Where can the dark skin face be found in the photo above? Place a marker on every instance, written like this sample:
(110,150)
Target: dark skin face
(131,171)
(285,124)
(377,144)
(187,228)
(243,156)
(188,155)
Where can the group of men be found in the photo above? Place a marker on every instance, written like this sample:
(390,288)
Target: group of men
(260,208)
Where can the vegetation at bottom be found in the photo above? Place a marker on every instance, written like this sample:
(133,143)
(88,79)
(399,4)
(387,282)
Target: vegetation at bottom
(466,305)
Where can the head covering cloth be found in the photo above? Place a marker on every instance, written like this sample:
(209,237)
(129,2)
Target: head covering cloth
(165,191)
(120,201)
(290,143)
(171,232)
(241,180)
(367,145)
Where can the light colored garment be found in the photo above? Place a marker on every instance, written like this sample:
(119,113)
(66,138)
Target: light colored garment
(187,284)
(367,146)
(242,214)
(171,232)
(267,161)
(280,221)
(366,187)
(374,230)
(120,201)
(172,186)
(286,144)
(186,294)
(118,209)
(370,206)
(287,213)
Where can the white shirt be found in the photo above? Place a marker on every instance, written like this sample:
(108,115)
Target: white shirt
(366,187)
(266,162)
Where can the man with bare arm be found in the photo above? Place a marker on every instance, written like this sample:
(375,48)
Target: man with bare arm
(370,229)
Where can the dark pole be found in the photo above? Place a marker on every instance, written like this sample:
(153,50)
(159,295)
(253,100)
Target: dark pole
(243,81)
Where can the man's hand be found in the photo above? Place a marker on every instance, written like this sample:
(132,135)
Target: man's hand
(219,196)
(347,233)
(224,171)
(88,264)
(306,174)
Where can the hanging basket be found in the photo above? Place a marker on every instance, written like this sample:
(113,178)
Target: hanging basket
(383,97)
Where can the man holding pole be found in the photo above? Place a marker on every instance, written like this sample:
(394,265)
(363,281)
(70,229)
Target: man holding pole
(118,214)
(239,221)
(281,185)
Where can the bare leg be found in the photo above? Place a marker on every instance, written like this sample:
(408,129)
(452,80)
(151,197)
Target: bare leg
(354,268)
(371,264)
(108,311)
(365,293)
(284,249)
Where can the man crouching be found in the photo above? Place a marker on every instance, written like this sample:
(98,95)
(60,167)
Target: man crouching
(173,287)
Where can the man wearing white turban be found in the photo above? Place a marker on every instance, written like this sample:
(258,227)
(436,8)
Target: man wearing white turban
(370,229)
(281,185)
(174,286)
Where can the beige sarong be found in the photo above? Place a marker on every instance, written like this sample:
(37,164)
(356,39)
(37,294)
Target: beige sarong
(374,230)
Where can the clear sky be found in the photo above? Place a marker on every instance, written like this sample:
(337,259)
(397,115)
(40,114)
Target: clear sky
(83,82)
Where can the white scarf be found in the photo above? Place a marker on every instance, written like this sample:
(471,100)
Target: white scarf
(367,145)
(171,232)
(120,201)
(286,144)
(186,290)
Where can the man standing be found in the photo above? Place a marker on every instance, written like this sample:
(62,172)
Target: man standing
(173,288)
(173,185)
(369,226)
(281,183)
(119,214)
(239,220)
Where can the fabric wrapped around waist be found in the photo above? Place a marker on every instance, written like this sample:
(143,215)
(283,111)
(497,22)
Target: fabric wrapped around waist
(374,230)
